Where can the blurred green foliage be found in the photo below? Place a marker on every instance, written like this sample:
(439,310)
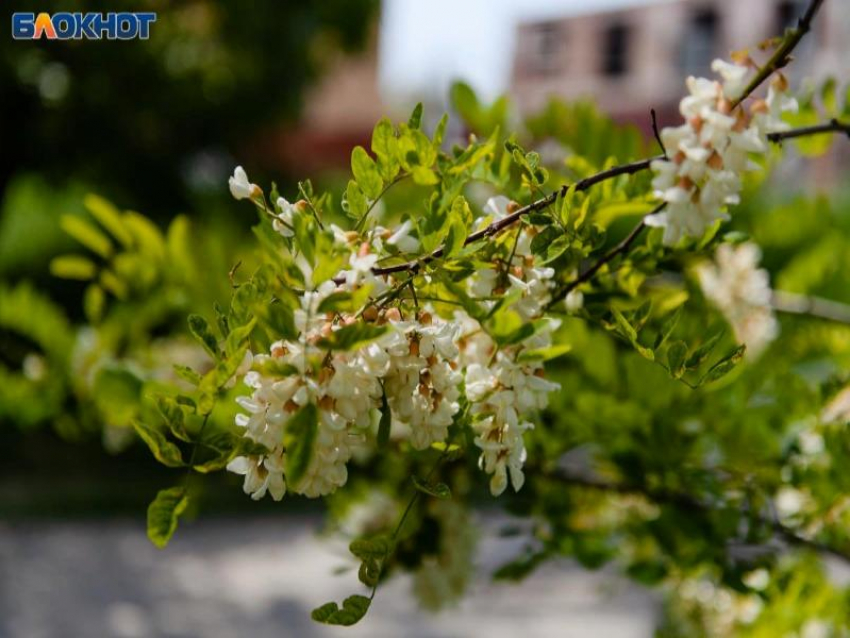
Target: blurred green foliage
(157,122)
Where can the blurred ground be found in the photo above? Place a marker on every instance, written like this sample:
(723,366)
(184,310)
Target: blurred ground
(260,578)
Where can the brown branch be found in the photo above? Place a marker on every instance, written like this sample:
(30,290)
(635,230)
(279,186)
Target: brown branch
(499,225)
(620,248)
(833,126)
(689,503)
(782,55)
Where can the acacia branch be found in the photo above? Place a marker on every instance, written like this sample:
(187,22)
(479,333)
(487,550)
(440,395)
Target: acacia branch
(619,249)
(833,126)
(689,503)
(782,56)
(499,225)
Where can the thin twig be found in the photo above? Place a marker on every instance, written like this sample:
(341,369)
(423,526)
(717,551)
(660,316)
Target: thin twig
(497,226)
(833,126)
(620,248)
(582,185)
(782,55)
(656,133)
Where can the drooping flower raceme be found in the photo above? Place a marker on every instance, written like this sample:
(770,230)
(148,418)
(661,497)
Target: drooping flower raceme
(417,367)
(741,291)
(710,151)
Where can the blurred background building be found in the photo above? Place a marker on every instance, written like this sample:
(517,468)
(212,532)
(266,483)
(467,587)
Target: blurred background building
(634,57)
(626,55)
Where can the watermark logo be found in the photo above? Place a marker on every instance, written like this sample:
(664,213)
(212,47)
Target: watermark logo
(80,26)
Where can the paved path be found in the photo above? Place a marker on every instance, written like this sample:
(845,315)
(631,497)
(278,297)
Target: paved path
(259,578)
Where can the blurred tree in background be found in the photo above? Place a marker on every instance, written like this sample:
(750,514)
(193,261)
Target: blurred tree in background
(154,124)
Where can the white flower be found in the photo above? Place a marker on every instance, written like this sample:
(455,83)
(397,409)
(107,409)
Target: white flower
(741,291)
(709,151)
(789,501)
(285,222)
(757,579)
(735,77)
(402,240)
(574,301)
(240,187)
(262,474)
(497,206)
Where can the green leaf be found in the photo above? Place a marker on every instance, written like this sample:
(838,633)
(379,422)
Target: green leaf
(377,548)
(366,173)
(641,315)
(385,422)
(440,131)
(187,374)
(238,336)
(162,449)
(353,610)
(94,301)
(628,330)
(73,267)
(544,354)
(163,513)
(352,336)
(343,301)
(385,148)
(459,220)
(667,327)
(298,439)
(415,120)
(355,201)
(305,234)
(703,351)
(424,176)
(437,490)
(724,366)
(173,416)
(200,329)
(117,393)
(676,354)
(369,573)
(87,234)
(109,217)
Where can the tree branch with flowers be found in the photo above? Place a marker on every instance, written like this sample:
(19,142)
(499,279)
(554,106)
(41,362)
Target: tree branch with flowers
(421,354)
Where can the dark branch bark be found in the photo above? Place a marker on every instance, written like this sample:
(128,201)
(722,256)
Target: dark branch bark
(619,249)
(833,126)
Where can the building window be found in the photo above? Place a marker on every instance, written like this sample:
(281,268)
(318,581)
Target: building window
(616,53)
(545,42)
(701,41)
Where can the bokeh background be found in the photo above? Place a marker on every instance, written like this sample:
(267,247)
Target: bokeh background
(285,89)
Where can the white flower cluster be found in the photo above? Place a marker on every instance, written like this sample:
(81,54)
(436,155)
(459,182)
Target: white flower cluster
(502,390)
(711,149)
(741,291)
(420,364)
